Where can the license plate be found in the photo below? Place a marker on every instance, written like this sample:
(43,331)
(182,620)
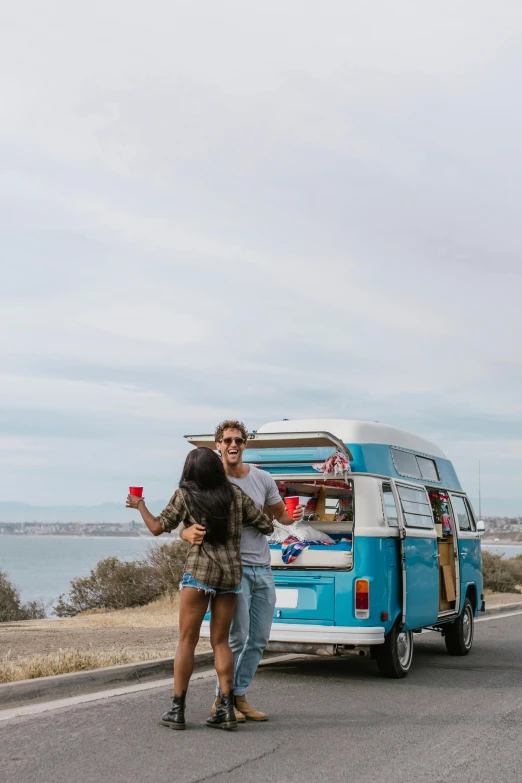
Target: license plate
(286,599)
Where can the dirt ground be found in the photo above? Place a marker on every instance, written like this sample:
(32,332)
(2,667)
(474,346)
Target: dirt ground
(150,628)
(18,642)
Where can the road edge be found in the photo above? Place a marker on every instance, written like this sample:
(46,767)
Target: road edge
(60,686)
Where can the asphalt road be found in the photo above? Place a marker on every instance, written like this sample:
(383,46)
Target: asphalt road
(452,719)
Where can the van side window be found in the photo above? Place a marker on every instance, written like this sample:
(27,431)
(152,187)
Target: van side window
(414,466)
(462,513)
(428,469)
(389,505)
(416,507)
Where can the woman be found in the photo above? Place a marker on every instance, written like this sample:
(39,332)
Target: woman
(212,570)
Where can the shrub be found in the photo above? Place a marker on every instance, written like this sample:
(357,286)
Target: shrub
(497,573)
(114,584)
(11,606)
(515,566)
(168,562)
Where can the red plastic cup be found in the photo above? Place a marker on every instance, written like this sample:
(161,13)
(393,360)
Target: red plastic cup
(136,491)
(291,505)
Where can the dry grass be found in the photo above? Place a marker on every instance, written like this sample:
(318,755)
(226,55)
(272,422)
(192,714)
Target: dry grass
(162,613)
(69,660)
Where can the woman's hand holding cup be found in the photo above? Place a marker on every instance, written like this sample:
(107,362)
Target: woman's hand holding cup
(134,497)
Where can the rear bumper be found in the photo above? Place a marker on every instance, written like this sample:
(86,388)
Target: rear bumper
(326,634)
(319,634)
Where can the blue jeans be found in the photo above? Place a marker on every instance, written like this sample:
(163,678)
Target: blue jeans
(251,624)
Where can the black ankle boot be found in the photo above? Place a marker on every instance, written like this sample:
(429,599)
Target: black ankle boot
(224,717)
(175,718)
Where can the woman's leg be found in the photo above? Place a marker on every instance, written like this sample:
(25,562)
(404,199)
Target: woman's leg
(221,613)
(192,609)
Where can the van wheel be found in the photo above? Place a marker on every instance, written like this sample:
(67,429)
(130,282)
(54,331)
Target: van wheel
(394,657)
(459,634)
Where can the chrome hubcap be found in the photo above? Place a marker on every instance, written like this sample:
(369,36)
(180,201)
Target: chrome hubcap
(467,628)
(404,648)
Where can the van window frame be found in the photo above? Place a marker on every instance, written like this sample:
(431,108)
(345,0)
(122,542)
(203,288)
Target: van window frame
(392,524)
(471,517)
(419,488)
(416,454)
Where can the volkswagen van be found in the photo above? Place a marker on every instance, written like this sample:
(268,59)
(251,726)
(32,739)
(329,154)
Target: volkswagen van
(403,550)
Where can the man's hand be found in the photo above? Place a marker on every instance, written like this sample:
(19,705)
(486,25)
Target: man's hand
(279,511)
(194,534)
(298,513)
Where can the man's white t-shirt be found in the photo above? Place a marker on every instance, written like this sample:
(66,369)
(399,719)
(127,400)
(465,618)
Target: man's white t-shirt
(261,487)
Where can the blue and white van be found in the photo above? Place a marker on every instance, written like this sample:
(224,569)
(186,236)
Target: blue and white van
(406,545)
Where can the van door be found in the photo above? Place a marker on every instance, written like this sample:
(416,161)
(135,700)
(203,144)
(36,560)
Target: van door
(420,557)
(470,558)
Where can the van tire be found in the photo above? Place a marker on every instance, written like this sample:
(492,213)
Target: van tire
(394,657)
(458,635)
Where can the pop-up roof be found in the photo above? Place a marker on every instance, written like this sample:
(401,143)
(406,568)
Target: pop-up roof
(300,447)
(354,431)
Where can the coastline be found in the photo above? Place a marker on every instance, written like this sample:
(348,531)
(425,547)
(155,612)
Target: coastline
(76,535)
(135,536)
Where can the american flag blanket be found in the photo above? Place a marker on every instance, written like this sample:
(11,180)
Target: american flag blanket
(292,547)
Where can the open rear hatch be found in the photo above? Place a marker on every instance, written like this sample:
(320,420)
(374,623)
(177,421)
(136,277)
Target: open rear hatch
(284,452)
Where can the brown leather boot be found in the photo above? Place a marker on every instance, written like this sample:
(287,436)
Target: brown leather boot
(249,712)
(240,718)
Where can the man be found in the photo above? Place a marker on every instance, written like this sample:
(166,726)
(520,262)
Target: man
(252,621)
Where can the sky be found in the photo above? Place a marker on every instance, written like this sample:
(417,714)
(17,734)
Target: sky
(279,210)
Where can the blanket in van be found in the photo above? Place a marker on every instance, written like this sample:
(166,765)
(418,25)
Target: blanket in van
(292,547)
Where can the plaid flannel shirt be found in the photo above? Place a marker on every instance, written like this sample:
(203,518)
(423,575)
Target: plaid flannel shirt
(216,565)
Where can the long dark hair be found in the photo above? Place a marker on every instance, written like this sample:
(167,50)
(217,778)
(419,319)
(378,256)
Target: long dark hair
(211,494)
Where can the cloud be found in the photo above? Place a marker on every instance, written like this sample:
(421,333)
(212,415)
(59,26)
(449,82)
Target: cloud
(213,210)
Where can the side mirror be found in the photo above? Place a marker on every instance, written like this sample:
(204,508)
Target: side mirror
(481,528)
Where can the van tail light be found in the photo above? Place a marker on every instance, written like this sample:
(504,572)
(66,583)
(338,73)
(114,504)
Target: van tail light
(362,599)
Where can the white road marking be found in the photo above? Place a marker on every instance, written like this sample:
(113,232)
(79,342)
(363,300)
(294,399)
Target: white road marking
(498,616)
(37,709)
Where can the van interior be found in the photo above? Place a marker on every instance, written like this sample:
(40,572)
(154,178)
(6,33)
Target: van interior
(329,510)
(446,548)
(326,502)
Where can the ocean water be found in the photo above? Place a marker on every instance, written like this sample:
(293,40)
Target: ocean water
(502,549)
(42,566)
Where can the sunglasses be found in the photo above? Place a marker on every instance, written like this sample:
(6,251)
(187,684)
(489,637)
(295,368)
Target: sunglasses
(237,441)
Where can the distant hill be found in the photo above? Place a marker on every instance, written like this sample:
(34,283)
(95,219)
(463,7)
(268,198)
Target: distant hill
(105,512)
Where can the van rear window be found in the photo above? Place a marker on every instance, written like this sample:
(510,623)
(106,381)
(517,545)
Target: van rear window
(414,466)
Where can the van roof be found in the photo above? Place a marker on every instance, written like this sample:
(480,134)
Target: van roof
(354,431)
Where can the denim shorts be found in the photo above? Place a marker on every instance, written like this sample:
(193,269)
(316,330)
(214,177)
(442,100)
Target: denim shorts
(189,581)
